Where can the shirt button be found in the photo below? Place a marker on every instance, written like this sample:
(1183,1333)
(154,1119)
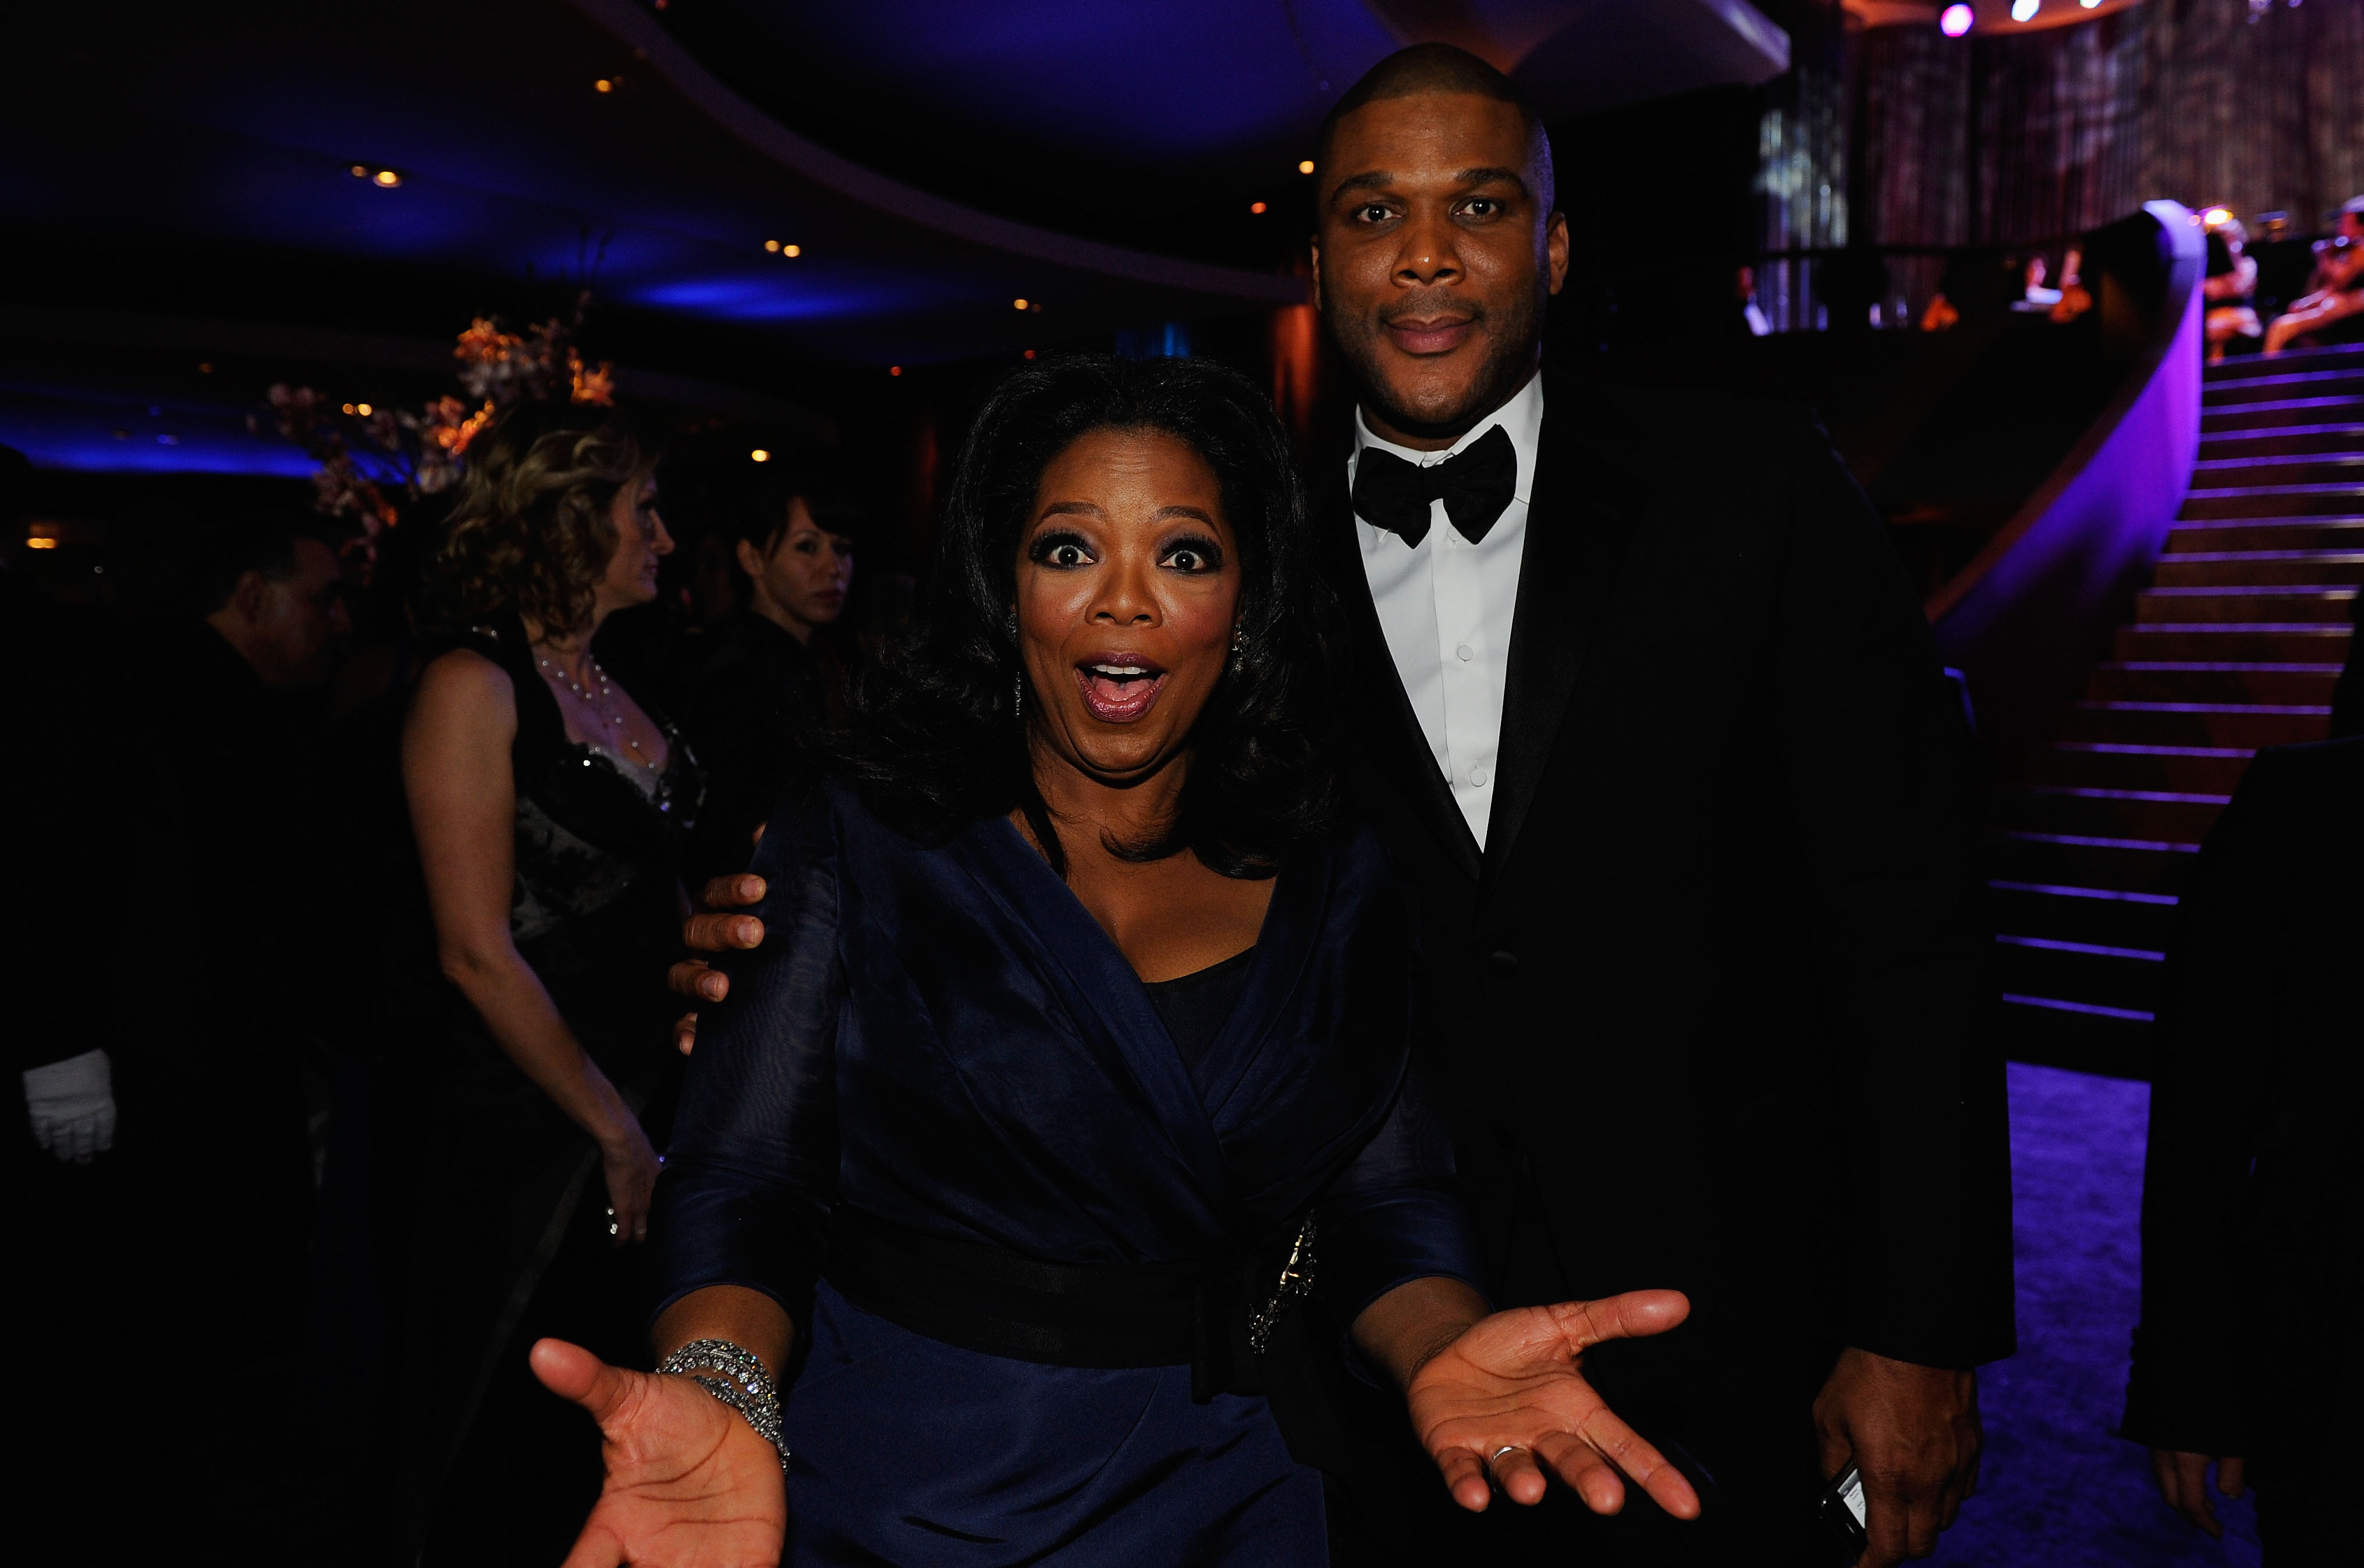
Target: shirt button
(1466,653)
(1478,777)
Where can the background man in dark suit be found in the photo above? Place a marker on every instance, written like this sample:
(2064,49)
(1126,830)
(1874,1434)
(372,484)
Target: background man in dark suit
(2253,1202)
(1647,708)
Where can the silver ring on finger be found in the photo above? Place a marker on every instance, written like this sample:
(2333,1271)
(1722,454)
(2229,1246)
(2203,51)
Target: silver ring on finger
(1494,1457)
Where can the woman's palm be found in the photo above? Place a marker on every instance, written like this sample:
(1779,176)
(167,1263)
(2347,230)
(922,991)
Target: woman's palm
(689,1483)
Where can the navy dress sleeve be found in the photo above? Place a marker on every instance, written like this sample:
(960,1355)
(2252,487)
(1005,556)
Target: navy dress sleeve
(1393,1216)
(752,1173)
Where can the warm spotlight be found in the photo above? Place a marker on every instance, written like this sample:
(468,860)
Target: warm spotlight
(771,244)
(1256,207)
(1030,353)
(2217,216)
(792,250)
(363,409)
(349,407)
(40,542)
(360,171)
(603,86)
(759,456)
(1957,20)
(386,179)
(893,369)
(1305,166)
(1020,303)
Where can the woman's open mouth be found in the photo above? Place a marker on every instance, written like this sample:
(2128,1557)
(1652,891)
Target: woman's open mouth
(1119,690)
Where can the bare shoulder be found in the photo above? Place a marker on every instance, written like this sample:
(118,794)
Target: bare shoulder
(464,691)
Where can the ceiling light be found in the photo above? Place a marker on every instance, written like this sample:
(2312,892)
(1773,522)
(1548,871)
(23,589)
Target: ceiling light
(771,244)
(759,456)
(2024,10)
(1957,20)
(1030,353)
(2088,5)
(40,541)
(1020,303)
(360,171)
(1305,166)
(2217,216)
(363,409)
(349,407)
(386,179)
(603,86)
(1257,206)
(893,369)
(792,250)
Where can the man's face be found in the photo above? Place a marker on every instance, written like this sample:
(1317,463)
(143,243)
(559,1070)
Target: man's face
(298,620)
(1434,259)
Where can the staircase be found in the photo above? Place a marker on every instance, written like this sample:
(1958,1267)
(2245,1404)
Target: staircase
(2235,646)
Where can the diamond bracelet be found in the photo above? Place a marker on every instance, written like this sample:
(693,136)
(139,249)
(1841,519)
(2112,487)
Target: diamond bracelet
(744,1385)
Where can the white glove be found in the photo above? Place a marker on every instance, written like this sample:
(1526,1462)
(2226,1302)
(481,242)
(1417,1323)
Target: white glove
(71,1106)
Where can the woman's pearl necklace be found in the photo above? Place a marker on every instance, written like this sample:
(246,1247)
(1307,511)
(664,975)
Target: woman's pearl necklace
(601,705)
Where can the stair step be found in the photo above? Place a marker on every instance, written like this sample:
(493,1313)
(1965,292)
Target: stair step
(2182,816)
(2283,441)
(2108,917)
(2124,765)
(2269,533)
(2279,411)
(2196,723)
(2308,603)
(2243,367)
(2204,503)
(2080,1037)
(2245,568)
(2198,680)
(2270,642)
(2269,468)
(2112,977)
(2091,860)
(2344,379)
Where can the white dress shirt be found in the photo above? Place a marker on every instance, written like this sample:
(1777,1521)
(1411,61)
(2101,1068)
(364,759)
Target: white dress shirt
(1445,605)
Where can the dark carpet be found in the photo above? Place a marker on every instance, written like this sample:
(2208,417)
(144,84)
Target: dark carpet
(2057,1488)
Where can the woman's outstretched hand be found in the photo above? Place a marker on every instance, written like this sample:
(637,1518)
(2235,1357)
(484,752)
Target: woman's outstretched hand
(1515,1381)
(689,1483)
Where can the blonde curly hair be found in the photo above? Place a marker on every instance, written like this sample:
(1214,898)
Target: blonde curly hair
(530,532)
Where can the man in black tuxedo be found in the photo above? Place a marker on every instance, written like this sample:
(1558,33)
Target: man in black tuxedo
(1647,707)
(2253,1201)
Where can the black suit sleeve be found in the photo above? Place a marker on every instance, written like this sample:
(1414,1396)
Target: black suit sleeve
(1880,775)
(2216,1014)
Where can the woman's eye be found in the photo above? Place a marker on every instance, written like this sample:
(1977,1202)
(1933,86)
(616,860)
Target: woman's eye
(1066,556)
(1187,559)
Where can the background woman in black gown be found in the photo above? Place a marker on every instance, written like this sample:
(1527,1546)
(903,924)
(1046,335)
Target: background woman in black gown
(1081,993)
(548,807)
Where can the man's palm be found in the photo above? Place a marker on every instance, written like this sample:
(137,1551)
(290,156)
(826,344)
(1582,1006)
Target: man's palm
(689,1483)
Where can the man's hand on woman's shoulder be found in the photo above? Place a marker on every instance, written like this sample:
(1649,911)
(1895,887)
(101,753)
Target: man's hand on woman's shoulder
(715,927)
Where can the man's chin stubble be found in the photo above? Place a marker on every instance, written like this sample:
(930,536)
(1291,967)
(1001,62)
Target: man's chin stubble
(1509,362)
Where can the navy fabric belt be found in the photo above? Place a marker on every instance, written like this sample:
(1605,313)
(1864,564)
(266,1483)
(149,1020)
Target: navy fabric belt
(983,1298)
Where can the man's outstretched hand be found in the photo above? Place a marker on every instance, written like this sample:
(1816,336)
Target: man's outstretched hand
(1913,1432)
(1515,1380)
(2183,1482)
(717,926)
(689,1482)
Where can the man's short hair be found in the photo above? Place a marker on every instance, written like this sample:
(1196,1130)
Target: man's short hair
(224,548)
(1442,68)
(762,516)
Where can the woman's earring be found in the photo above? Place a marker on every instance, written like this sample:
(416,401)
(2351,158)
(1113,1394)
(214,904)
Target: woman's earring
(1238,650)
(1017,681)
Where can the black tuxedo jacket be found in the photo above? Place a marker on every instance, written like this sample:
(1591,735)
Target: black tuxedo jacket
(2253,1202)
(1711,1011)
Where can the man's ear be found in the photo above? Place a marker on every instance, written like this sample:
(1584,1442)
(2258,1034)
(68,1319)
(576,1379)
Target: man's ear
(246,597)
(1317,275)
(751,560)
(1556,248)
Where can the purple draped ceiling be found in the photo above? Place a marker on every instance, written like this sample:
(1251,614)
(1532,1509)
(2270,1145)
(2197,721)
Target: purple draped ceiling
(2016,138)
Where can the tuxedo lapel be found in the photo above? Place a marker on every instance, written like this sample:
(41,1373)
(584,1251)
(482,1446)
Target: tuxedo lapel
(1578,520)
(1383,722)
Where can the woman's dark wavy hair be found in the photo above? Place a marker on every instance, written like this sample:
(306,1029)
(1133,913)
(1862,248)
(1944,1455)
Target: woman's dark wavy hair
(935,742)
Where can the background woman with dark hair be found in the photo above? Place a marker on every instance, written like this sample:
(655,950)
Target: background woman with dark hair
(547,805)
(1075,1061)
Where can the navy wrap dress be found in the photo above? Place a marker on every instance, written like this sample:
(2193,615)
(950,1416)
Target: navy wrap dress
(942,1036)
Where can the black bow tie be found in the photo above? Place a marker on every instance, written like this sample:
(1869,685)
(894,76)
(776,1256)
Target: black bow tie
(1475,486)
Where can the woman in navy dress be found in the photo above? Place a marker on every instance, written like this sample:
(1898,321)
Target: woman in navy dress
(1065,1116)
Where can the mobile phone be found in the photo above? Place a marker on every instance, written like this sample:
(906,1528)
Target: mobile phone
(1842,1515)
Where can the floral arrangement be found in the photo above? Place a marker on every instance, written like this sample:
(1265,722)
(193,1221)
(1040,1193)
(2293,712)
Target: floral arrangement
(368,456)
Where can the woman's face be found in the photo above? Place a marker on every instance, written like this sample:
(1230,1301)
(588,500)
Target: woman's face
(1128,584)
(807,574)
(640,542)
